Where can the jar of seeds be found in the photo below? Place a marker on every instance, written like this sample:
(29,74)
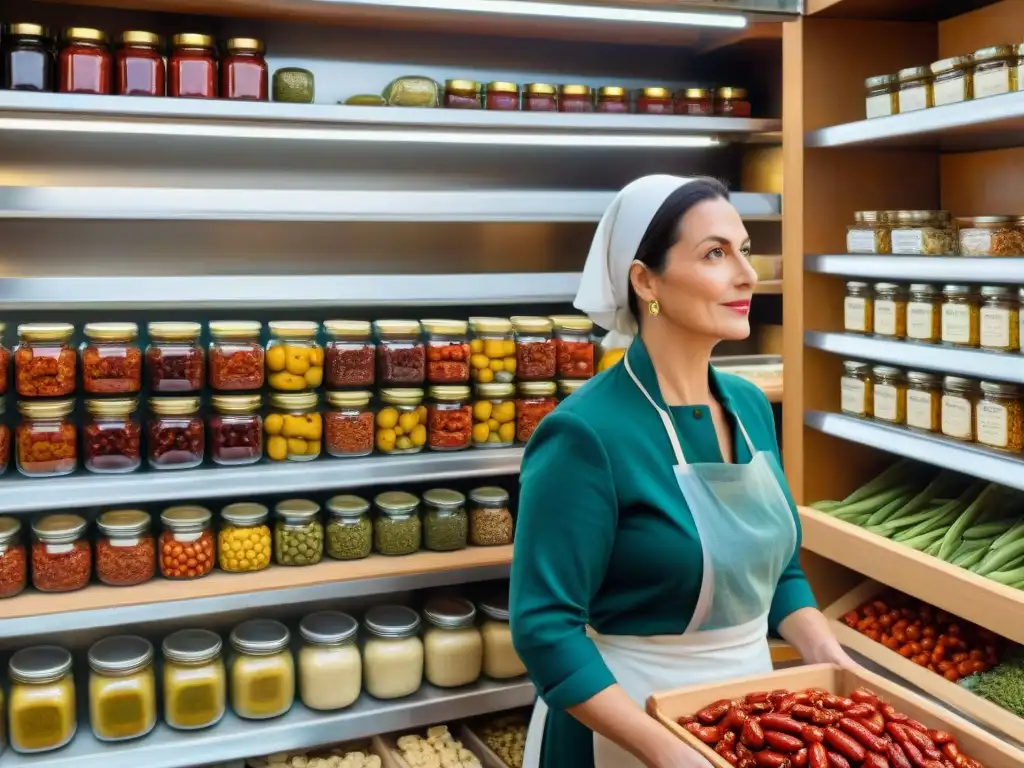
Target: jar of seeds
(349,530)
(298,534)
(397,529)
(490,520)
(445,523)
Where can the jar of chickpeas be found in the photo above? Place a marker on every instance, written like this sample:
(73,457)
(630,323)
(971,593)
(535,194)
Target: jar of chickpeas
(244,542)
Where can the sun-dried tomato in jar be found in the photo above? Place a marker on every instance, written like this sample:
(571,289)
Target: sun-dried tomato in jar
(348,424)
(401,358)
(125,549)
(574,346)
(350,354)
(236,355)
(187,549)
(61,556)
(236,429)
(111,438)
(111,359)
(175,433)
(536,353)
(13,559)
(5,439)
(5,361)
(536,400)
(449,419)
(447,351)
(44,363)
(46,439)
(174,359)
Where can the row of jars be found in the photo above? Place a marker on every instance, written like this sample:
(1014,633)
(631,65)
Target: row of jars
(989,71)
(61,557)
(934,233)
(990,413)
(959,315)
(262,675)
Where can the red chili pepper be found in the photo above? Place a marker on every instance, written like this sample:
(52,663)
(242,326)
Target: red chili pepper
(874,760)
(865,696)
(755,697)
(941,737)
(734,718)
(812,734)
(802,711)
(875,723)
(714,712)
(826,717)
(776,722)
(891,715)
(922,742)
(860,732)
(835,760)
(817,756)
(838,702)
(783,742)
(770,759)
(799,760)
(844,744)
(861,710)
(897,757)
(709,734)
(752,734)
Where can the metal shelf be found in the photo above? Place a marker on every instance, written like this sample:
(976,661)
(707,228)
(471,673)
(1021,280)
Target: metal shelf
(932,269)
(929,357)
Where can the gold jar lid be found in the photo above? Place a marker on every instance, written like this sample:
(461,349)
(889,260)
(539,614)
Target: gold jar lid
(294,401)
(444,498)
(245,514)
(45,331)
(545,388)
(611,92)
(121,406)
(46,409)
(235,329)
(445,327)
(347,505)
(951,64)
(174,406)
(449,393)
(59,528)
(656,92)
(392,328)
(567,386)
(85,35)
(983,222)
(572,323)
(244,44)
(913,73)
(111,331)
(396,502)
(495,390)
(348,329)
(186,517)
(540,89)
(293,329)
(1001,388)
(138,37)
(462,85)
(499,86)
(297,510)
(490,325)
(173,331)
(123,522)
(877,81)
(574,90)
(731,93)
(32,30)
(236,404)
(192,40)
(694,93)
(355,399)
(529,324)
(406,396)
(993,53)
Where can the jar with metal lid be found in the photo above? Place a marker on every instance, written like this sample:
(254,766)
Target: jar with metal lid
(492,350)
(501,662)
(294,427)
(350,354)
(881,96)
(46,438)
(175,433)
(401,422)
(732,102)
(192,67)
(397,529)
(991,236)
(995,71)
(348,423)
(575,98)
(13,558)
(401,355)
(889,394)
(452,647)
(84,63)
(462,94)
(959,398)
(261,670)
(447,351)
(612,99)
(5,361)
(924,314)
(890,310)
(536,351)
(567,386)
(536,400)
(194,680)
(655,101)
(574,346)
(243,70)
(502,96)
(924,401)
(236,355)
(494,416)
(112,436)
(174,360)
(236,429)
(954,80)
(295,361)
(539,97)
(916,89)
(122,688)
(42,714)
(856,397)
(111,359)
(1000,319)
(858,308)
(5,438)
(961,316)
(490,519)
(330,665)
(186,543)
(125,548)
(61,553)
(445,522)
(449,418)
(999,416)
(695,101)
(349,529)
(45,365)
(244,541)
(140,65)
(393,653)
(871,232)
(924,233)
(28,60)
(298,533)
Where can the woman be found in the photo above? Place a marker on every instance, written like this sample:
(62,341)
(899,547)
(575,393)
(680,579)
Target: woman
(657,542)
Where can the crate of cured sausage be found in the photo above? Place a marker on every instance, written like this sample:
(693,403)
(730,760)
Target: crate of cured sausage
(822,716)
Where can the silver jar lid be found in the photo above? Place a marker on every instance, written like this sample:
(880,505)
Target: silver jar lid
(347,505)
(59,529)
(328,628)
(123,522)
(923,288)
(887,288)
(186,518)
(9,528)
(449,612)
(956,289)
(120,655)
(887,371)
(855,366)
(495,607)
(959,382)
(40,664)
(192,646)
(489,495)
(997,291)
(856,285)
(392,621)
(396,502)
(444,498)
(297,510)
(923,378)
(1005,389)
(260,637)
(244,514)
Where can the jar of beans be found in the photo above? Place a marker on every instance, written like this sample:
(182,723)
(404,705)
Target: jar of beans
(447,351)
(61,555)
(5,438)
(536,351)
(449,419)
(298,533)
(174,359)
(111,359)
(574,346)
(401,357)
(45,365)
(350,354)
(125,549)
(236,429)
(348,423)
(46,438)
(112,437)
(236,355)
(186,544)
(176,434)
(13,559)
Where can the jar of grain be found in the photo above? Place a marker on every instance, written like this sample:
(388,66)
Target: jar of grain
(1000,319)
(924,401)
(961,316)
(999,416)
(501,662)
(393,654)
(924,314)
(855,388)
(959,396)
(858,309)
(490,520)
(990,236)
(330,667)
(890,394)
(453,648)
(924,233)
(890,311)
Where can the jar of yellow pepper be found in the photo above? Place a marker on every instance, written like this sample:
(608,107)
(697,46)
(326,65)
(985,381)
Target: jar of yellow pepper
(244,543)
(401,424)
(492,350)
(889,392)
(961,316)
(294,427)
(295,361)
(1000,416)
(924,401)
(494,415)
(890,311)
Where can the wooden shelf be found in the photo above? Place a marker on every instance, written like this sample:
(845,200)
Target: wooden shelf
(894,10)
(935,269)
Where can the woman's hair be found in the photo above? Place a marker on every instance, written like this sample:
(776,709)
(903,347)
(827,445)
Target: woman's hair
(663,231)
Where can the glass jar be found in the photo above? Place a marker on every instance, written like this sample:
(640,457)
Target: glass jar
(401,356)
(503,96)
(539,97)
(46,438)
(1000,319)
(42,712)
(192,67)
(959,396)
(991,236)
(244,542)
(447,351)
(612,99)
(174,359)
(449,419)
(536,351)
(494,416)
(445,522)
(186,544)
(999,417)
(567,386)
(871,232)
(140,65)
(858,308)
(330,666)
(855,386)
(889,394)
(348,424)
(924,314)
(236,429)
(236,355)
(61,555)
(5,438)
(262,670)
(45,365)
(243,70)
(924,401)
(122,688)
(295,361)
(194,681)
(13,558)
(536,400)
(490,519)
(393,654)
(574,346)
(695,101)
(111,359)
(924,233)
(452,647)
(294,426)
(1020,326)
(655,101)
(350,354)
(890,310)
(85,64)
(954,80)
(298,533)
(175,432)
(397,529)
(349,529)
(732,102)
(28,60)
(112,438)
(501,662)
(125,548)
(995,71)
(916,89)
(575,98)
(5,362)
(961,316)
(881,96)
(492,350)
(462,94)
(401,422)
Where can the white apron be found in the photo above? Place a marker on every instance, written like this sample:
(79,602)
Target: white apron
(747,537)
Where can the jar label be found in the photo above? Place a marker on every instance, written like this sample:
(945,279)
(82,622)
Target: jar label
(59,549)
(118,542)
(920,320)
(956,417)
(908,241)
(991,83)
(189,536)
(860,241)
(919,410)
(885,317)
(975,241)
(855,313)
(886,402)
(995,327)
(853,396)
(951,91)
(879,106)
(956,323)
(913,99)
(993,425)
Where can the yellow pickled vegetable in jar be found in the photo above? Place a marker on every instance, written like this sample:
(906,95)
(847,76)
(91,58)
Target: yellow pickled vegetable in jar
(294,428)
(122,688)
(492,350)
(401,424)
(195,685)
(262,670)
(244,542)
(494,415)
(42,708)
(295,361)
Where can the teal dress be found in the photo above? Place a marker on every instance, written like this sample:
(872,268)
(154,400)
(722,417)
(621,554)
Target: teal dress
(605,538)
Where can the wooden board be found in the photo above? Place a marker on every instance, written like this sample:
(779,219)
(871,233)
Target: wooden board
(478,747)
(385,745)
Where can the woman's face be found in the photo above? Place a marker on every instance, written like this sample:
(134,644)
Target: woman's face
(708,282)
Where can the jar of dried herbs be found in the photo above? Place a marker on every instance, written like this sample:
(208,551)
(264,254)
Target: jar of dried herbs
(924,233)
(991,236)
(871,232)
(954,80)
(490,519)
(890,310)
(445,522)
(959,396)
(1000,319)
(858,309)
(855,388)
(349,530)
(1000,416)
(924,401)
(916,89)
(961,316)
(889,393)
(924,313)
(397,529)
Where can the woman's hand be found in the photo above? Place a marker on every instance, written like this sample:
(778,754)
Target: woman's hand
(682,756)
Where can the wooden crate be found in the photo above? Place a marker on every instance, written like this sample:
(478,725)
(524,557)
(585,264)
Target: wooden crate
(390,757)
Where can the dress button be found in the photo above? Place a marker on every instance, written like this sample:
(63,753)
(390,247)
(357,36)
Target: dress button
(698,413)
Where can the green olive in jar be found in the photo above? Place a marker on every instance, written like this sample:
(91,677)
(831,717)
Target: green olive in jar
(298,533)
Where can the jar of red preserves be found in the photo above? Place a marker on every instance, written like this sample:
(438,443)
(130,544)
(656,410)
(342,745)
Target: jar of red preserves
(732,102)
(503,96)
(350,354)
(536,400)
(575,98)
(13,558)
(348,424)
(574,345)
(125,548)
(236,355)
(61,555)
(236,429)
(539,97)
(655,101)
(187,549)
(28,60)
(695,101)
(5,362)
(447,351)
(46,438)
(44,362)
(401,357)
(536,352)
(612,98)
(192,67)
(175,433)
(243,71)
(174,359)
(111,359)
(5,438)
(85,64)
(449,419)
(112,438)
(140,65)
(462,94)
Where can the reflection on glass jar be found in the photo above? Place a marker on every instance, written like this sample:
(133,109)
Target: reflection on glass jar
(42,712)
(122,688)
(195,685)
(174,359)
(111,359)
(350,354)
(236,355)
(262,670)
(397,529)
(393,654)
(112,437)
(244,542)
(348,424)
(298,533)
(330,666)
(61,554)
(452,646)
(295,361)
(401,421)
(44,363)
(924,401)
(175,432)
(294,426)
(999,417)
(46,438)
(125,549)
(236,429)
(186,544)
(959,396)
(856,397)
(445,522)
(13,558)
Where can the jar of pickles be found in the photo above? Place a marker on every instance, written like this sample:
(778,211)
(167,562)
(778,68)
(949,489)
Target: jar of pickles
(536,400)
(175,431)
(889,390)
(348,423)
(330,666)
(111,359)
(536,351)
(294,427)
(125,549)
(13,558)
(445,522)
(575,98)
(656,101)
(890,311)
(397,530)
(490,519)
(961,316)
(393,654)
(916,89)
(262,671)
(462,94)
(401,421)
(856,397)
(186,543)
(449,419)
(447,351)
(999,416)
(492,350)
(45,365)
(959,397)
(236,429)
(112,438)
(195,685)
(612,99)
(924,233)
(236,355)
(401,356)
(995,71)
(295,361)
(349,529)
(539,97)
(122,688)
(453,650)
(244,542)
(924,314)
(858,308)
(61,554)
(574,346)
(1000,319)
(871,232)
(924,401)
(5,361)
(881,94)
(954,80)
(501,662)
(46,438)
(298,533)
(42,712)
(349,354)
(174,360)
(494,416)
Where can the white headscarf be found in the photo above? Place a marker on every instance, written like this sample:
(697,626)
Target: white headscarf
(604,289)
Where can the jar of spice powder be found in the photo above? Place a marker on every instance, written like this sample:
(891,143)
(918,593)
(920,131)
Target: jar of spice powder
(916,89)
(349,530)
(348,423)
(889,392)
(924,401)
(890,311)
(125,548)
(924,313)
(1000,416)
(490,520)
(61,555)
(1000,319)
(397,530)
(445,522)
(13,558)
(961,316)
(959,398)
(186,544)
(350,354)
(855,393)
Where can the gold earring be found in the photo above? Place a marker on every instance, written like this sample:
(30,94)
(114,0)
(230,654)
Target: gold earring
(653,308)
